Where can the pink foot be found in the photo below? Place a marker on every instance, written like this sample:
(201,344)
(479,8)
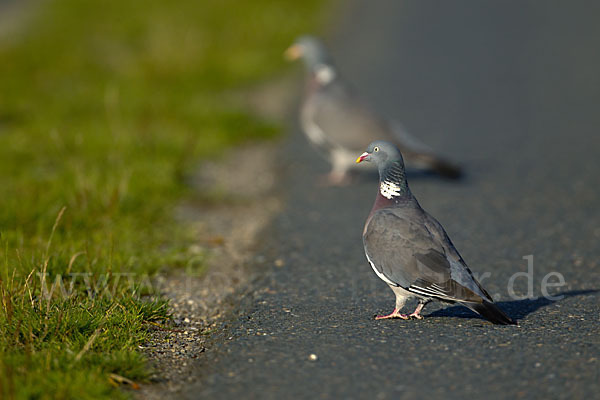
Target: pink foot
(334,179)
(394,314)
(416,314)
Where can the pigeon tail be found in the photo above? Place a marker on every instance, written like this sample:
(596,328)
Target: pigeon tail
(491,312)
(446,169)
(443,167)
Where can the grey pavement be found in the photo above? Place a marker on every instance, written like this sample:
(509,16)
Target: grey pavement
(512,90)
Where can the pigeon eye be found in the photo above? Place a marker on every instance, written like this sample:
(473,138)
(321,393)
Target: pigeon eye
(376,149)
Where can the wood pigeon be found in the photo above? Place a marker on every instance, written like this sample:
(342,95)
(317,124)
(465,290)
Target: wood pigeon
(409,249)
(339,124)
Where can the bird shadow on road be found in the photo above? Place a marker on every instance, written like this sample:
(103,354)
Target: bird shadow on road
(412,174)
(516,309)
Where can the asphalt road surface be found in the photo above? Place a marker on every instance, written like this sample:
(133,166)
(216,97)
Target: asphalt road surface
(511,89)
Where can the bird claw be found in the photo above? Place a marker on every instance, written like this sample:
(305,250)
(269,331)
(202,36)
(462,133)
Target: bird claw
(334,179)
(395,314)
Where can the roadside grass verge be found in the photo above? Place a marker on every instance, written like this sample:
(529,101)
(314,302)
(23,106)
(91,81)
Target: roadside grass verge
(105,105)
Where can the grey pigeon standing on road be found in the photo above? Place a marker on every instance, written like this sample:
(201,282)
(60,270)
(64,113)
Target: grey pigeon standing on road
(409,249)
(339,124)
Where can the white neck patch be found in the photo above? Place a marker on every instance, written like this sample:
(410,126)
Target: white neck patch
(324,74)
(389,189)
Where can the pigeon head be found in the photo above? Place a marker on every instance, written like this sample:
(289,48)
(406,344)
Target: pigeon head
(381,153)
(315,56)
(389,162)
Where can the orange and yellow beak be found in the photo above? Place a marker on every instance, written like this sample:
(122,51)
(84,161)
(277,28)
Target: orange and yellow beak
(293,52)
(364,156)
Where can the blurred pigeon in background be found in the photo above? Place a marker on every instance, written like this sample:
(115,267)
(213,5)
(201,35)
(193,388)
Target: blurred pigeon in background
(339,124)
(409,249)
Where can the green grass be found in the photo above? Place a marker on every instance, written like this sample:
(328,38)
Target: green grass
(105,105)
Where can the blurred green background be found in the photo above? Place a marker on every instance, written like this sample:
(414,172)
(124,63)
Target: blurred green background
(105,105)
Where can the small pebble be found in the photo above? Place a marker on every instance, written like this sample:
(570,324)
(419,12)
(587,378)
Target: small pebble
(313,357)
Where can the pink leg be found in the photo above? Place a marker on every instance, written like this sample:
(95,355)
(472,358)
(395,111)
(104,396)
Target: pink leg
(415,313)
(334,178)
(394,314)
